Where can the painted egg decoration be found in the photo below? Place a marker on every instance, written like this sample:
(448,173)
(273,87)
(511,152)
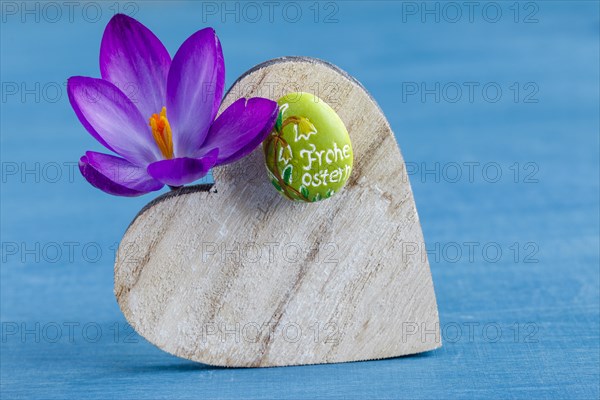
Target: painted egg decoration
(308,154)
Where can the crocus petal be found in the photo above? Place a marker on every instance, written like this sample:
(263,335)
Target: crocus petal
(241,128)
(112,119)
(135,60)
(115,175)
(179,171)
(194,90)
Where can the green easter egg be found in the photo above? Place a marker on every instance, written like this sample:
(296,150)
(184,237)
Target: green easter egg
(308,154)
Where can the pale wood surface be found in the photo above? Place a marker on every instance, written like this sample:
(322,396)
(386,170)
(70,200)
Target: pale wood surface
(239,276)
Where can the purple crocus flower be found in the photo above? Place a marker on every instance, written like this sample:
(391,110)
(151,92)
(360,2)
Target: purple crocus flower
(159,114)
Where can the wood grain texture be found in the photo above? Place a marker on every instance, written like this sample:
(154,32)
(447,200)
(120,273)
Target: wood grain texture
(239,276)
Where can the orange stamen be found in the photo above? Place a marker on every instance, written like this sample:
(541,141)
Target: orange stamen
(161,131)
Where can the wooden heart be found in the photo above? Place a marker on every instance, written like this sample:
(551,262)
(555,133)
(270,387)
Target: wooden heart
(236,275)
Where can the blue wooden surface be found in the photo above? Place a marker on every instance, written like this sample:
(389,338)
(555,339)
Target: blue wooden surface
(543,300)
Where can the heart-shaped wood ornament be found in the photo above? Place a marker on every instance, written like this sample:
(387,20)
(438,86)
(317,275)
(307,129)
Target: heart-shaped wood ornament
(236,275)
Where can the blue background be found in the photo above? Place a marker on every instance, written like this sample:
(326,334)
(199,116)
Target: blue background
(534,313)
